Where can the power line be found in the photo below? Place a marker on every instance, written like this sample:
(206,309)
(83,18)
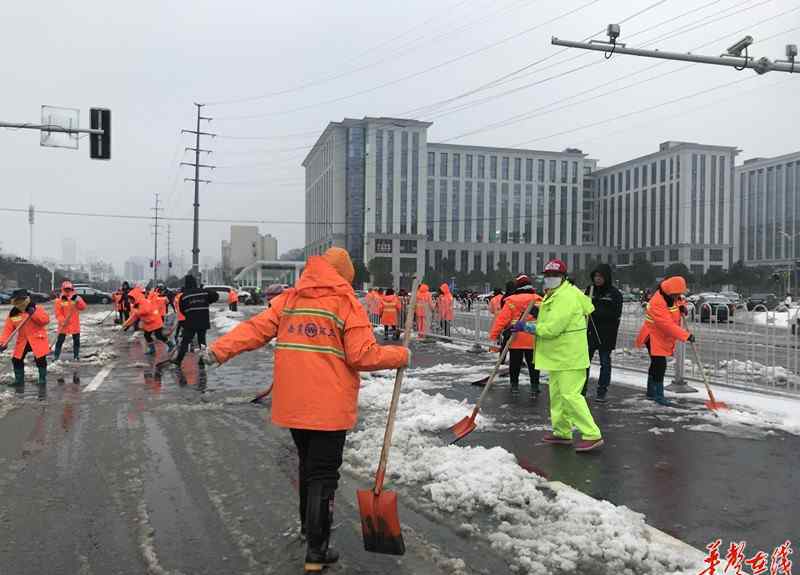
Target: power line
(417,73)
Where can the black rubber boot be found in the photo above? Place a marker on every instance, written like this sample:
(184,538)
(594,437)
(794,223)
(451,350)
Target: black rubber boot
(651,388)
(659,394)
(319,516)
(76,350)
(19,377)
(43,375)
(303,492)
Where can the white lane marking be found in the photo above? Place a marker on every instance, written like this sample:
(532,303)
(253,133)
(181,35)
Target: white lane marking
(99,378)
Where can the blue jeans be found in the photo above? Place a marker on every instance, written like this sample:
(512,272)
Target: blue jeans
(605,371)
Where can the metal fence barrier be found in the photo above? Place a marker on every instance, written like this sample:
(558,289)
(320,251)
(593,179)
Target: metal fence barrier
(752,349)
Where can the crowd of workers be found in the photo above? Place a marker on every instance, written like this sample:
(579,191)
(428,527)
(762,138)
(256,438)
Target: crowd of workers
(325,337)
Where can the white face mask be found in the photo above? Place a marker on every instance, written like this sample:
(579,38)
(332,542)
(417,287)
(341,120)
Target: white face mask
(552,282)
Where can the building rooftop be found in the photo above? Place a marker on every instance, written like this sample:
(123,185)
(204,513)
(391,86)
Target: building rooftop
(669,146)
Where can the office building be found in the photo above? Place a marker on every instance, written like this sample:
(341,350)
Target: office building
(246,246)
(674,205)
(69,251)
(377,187)
(768,210)
(135,269)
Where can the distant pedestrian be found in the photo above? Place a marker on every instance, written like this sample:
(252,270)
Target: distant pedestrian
(660,331)
(445,308)
(149,317)
(389,310)
(68,308)
(233,300)
(562,350)
(193,305)
(423,309)
(603,325)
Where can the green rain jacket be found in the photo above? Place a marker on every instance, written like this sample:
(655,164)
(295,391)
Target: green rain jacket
(561,330)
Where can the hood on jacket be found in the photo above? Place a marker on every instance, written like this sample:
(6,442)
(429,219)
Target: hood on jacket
(136,294)
(445,289)
(605,271)
(189,282)
(321,278)
(423,288)
(674,285)
(340,260)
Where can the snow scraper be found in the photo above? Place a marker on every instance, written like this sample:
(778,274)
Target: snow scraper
(467,425)
(712,403)
(380,523)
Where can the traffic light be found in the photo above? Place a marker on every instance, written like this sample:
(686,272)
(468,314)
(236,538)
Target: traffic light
(100,144)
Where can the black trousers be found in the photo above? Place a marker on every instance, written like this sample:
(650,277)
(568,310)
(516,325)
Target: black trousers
(159,335)
(233,306)
(319,455)
(20,363)
(445,325)
(658,368)
(76,343)
(516,357)
(186,340)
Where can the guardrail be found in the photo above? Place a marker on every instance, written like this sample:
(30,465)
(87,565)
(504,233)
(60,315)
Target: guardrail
(756,349)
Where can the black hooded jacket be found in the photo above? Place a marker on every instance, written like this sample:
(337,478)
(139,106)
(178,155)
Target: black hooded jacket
(607,301)
(194,304)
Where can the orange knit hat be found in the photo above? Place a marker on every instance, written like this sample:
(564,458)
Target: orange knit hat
(341,262)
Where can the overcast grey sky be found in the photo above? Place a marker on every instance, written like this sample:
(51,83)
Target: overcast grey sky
(149,60)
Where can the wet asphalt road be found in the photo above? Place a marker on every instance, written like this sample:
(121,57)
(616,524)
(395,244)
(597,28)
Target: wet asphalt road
(177,473)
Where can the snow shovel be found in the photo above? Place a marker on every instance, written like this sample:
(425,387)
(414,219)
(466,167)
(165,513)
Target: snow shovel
(262,395)
(102,321)
(380,523)
(712,403)
(467,425)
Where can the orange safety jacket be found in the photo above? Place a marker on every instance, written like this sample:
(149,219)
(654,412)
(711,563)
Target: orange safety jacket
(176,303)
(233,297)
(144,311)
(324,338)
(389,308)
(445,303)
(495,304)
(511,313)
(424,300)
(33,333)
(116,297)
(662,322)
(68,314)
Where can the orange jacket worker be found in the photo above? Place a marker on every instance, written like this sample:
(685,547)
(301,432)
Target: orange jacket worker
(68,309)
(150,320)
(389,308)
(32,322)
(324,338)
(233,300)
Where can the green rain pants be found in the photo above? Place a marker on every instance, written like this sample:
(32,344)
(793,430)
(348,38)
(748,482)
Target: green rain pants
(568,408)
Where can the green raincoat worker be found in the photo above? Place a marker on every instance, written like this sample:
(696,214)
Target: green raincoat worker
(562,351)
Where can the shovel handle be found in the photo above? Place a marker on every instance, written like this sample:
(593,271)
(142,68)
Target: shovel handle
(398,382)
(501,358)
(702,370)
(16,331)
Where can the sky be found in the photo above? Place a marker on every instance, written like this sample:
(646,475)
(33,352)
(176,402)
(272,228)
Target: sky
(273,74)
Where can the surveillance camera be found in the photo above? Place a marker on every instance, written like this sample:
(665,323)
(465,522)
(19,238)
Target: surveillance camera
(791,51)
(613,32)
(740,46)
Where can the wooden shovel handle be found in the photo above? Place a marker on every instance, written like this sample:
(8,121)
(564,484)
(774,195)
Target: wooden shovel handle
(16,330)
(500,361)
(398,382)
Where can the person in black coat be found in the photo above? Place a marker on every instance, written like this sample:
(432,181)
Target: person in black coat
(603,325)
(194,305)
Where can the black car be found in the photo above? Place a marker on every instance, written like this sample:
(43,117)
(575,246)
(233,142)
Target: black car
(91,295)
(713,309)
(767,300)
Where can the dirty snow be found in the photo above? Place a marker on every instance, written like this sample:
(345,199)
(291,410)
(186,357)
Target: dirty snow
(775,318)
(225,320)
(541,531)
(661,430)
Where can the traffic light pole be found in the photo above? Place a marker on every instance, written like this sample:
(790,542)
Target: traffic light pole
(46,128)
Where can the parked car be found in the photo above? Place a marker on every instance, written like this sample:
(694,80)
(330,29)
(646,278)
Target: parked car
(5,297)
(629,297)
(735,298)
(768,300)
(222,290)
(39,297)
(712,308)
(91,295)
(274,291)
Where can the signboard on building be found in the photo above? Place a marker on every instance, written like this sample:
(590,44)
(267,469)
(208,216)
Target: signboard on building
(383,246)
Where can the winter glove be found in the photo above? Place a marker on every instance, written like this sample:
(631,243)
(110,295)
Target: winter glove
(525,327)
(2,347)
(690,339)
(208,358)
(31,308)
(74,297)
(64,298)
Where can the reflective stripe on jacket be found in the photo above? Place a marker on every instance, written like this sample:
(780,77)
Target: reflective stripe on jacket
(561,342)
(324,338)
(510,314)
(661,327)
(33,333)
(390,307)
(68,314)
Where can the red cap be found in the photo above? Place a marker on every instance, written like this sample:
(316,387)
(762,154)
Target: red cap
(556,266)
(522,280)
(66,285)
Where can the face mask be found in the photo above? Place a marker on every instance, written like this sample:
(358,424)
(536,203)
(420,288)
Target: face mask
(552,282)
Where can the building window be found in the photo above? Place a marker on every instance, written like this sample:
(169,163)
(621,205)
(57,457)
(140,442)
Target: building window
(697,254)
(623,259)
(693,209)
(674,255)
(493,167)
(636,178)
(379,181)
(715,255)
(505,167)
(671,168)
(528,214)
(476,261)
(551,216)
(469,165)
(437,259)
(415,159)
(652,173)
(564,171)
(481,167)
(645,218)
(540,170)
(468,211)
(430,206)
(456,203)
(443,164)
(613,183)
(390,183)
(644,176)
(529,170)
(712,205)
(431,164)
(515,263)
(456,165)
(552,169)
(408,246)
(574,172)
(479,220)
(442,210)
(492,212)
(489,262)
(722,199)
(574,217)
(657,256)
(516,234)
(518,169)
(662,214)
(627,180)
(663,174)
(404,183)
(540,213)
(464,261)
(635,219)
(504,207)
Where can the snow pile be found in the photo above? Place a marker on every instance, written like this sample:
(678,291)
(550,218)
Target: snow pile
(759,372)
(539,530)
(775,318)
(661,430)
(7,402)
(225,321)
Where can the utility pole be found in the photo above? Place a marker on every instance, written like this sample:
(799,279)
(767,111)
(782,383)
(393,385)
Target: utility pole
(169,249)
(197,165)
(156,225)
(737,56)
(30,232)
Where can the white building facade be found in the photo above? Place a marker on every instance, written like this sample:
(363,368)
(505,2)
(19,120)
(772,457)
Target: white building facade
(768,210)
(377,187)
(675,205)
(246,246)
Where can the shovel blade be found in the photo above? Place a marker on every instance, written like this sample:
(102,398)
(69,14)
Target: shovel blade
(463,428)
(715,405)
(380,523)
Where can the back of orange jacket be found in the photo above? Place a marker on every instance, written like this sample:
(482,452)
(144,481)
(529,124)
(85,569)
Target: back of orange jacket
(145,311)
(324,338)
(445,303)
(510,313)
(662,319)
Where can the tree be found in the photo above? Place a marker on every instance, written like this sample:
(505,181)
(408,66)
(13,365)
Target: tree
(362,273)
(742,277)
(679,269)
(433,277)
(293,255)
(715,277)
(642,274)
(500,275)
